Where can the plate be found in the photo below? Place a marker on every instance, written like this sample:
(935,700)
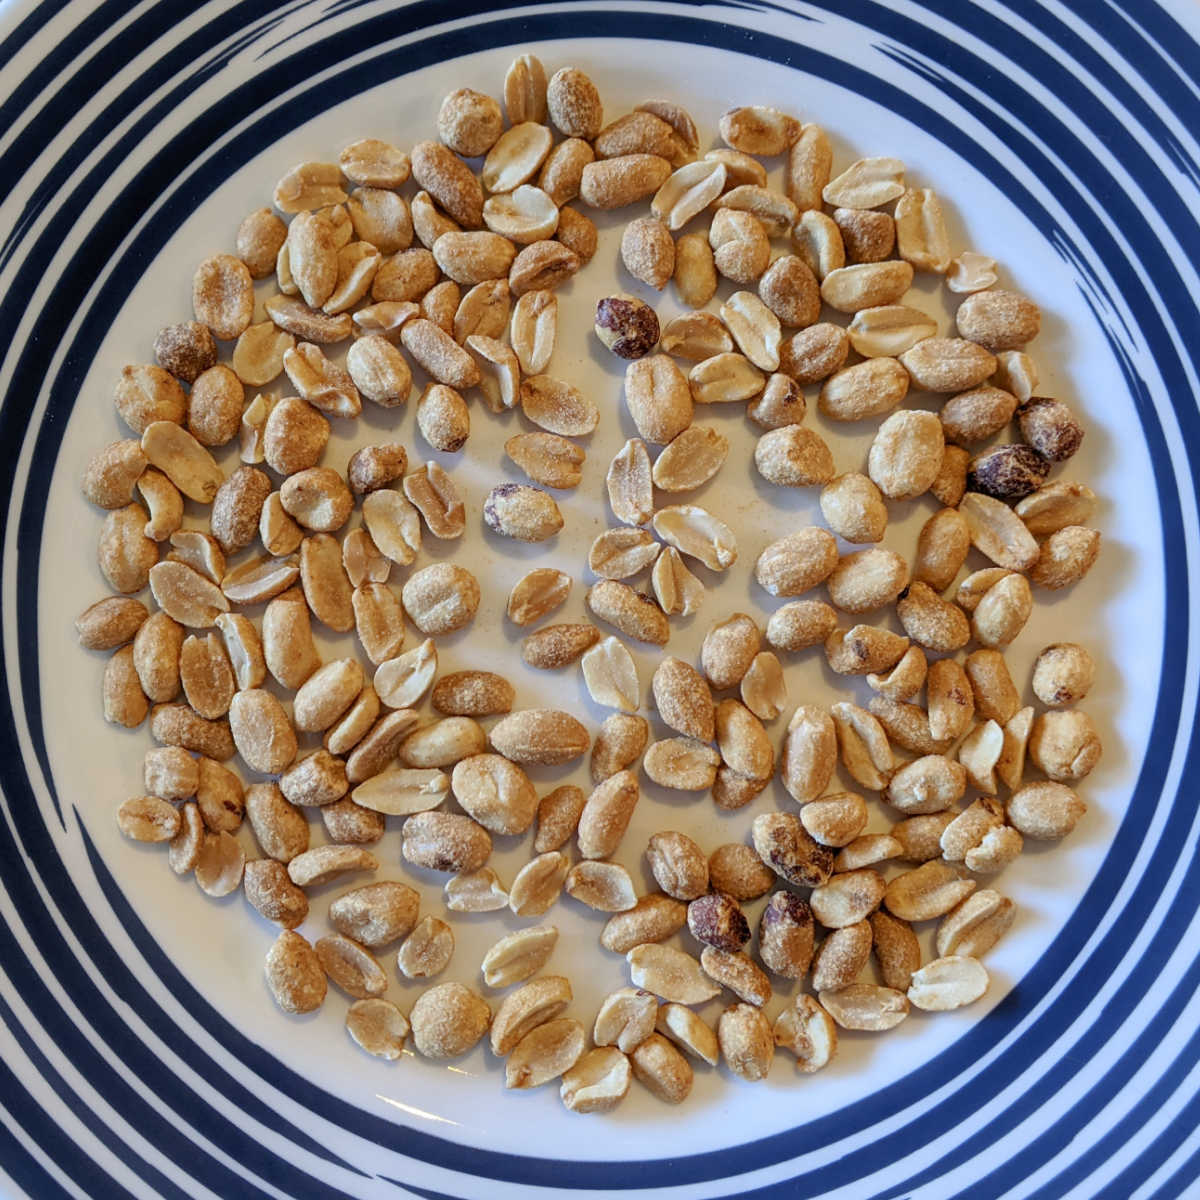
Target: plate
(141,1052)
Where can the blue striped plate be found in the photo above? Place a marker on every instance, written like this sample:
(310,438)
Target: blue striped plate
(139,1051)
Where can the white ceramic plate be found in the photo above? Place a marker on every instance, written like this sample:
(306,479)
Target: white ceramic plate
(141,1050)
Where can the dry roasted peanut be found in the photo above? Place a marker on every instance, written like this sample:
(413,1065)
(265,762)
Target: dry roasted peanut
(835,820)
(537,594)
(269,888)
(976,925)
(758,129)
(867,183)
(443,743)
(868,285)
(652,919)
(773,209)
(309,185)
(648,251)
(606,815)
(312,256)
(477,891)
(531,1006)
(738,870)
(372,163)
(540,735)
(1050,428)
(995,850)
(439,355)
(809,161)
(110,622)
(183,850)
(199,551)
(449,181)
(402,791)
(260,579)
(215,406)
(785,935)
(867,580)
(1064,744)
(790,290)
(377,913)
(518,956)
(919,838)
(1002,611)
(921,236)
(998,533)
(795,563)
(447,1020)
(930,890)
(185,595)
(443,418)
(112,473)
(970,827)
(1066,557)
(496,792)
(426,950)
(170,773)
(262,731)
(785,846)
(688,192)
(678,865)
(728,649)
(429,222)
(724,379)
(658,398)
(717,920)
(763,690)
(626,325)
(468,122)
(408,275)
(294,436)
(484,310)
(889,330)
(976,414)
(326,588)
(932,622)
(669,973)
(696,336)
(865,649)
(998,319)
(288,648)
(817,241)
(695,270)
(906,454)
(743,741)
(347,822)
(445,842)
(951,699)
(473,256)
(578,236)
(379,371)
(603,886)
(562,171)
(686,1029)
(996,697)
(677,590)
(662,1069)
(1007,472)
(206,675)
(257,360)
(146,394)
(942,547)
(178,725)
(294,974)
(677,118)
(739,168)
(641,132)
(558,815)
(378,1026)
(738,973)
(316,499)
(183,460)
(238,506)
(538,884)
(896,949)
(294,317)
(629,483)
(929,784)
(543,266)
(472,694)
(808,1031)
(620,741)
(631,613)
(616,182)
(948,983)
(854,509)
(695,532)
(259,237)
(223,295)
(940,364)
(746,1041)
(279,826)
(971,272)
(622,552)
(1062,675)
(865,1006)
(433,494)
(558,407)
(848,898)
(741,251)
(354,969)
(681,763)
(525,90)
(441,598)
(812,355)
(755,329)
(866,389)
(525,513)
(802,623)
(1044,810)
(545,1053)
(868,236)
(841,957)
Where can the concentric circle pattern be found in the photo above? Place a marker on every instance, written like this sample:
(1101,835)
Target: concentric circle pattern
(118,1077)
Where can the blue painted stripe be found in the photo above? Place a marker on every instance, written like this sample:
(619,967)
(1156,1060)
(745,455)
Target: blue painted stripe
(30,25)
(1181,1183)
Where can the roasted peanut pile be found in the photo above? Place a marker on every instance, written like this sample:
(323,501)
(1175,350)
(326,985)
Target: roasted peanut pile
(439,278)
